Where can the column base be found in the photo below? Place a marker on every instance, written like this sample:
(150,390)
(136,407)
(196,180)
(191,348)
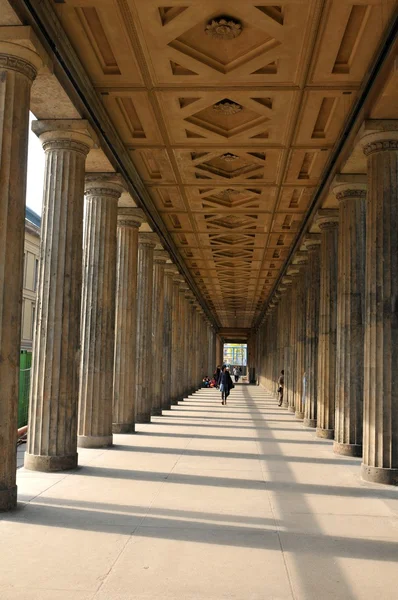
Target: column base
(291,409)
(8,499)
(347,449)
(156,412)
(326,434)
(299,415)
(143,418)
(310,423)
(48,464)
(94,441)
(123,428)
(285,405)
(379,475)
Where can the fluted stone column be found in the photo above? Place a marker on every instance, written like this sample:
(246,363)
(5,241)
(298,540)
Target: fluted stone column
(159,264)
(175,357)
(190,350)
(182,362)
(301,317)
(186,339)
(144,357)
(294,275)
(54,391)
(196,356)
(328,224)
(128,222)
(350,190)
(312,331)
(286,319)
(202,348)
(98,311)
(169,272)
(18,69)
(380,439)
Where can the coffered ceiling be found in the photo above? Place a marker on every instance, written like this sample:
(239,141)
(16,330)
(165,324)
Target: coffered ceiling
(229,111)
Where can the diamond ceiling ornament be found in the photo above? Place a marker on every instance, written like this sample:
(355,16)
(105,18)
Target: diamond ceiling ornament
(228,193)
(228,157)
(227,107)
(223,28)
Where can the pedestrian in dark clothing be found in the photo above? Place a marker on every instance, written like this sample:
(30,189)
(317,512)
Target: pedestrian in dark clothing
(226,384)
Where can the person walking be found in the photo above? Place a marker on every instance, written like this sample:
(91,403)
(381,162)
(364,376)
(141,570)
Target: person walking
(225,384)
(236,374)
(281,384)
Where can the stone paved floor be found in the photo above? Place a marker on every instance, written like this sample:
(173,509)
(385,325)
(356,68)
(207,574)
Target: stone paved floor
(207,502)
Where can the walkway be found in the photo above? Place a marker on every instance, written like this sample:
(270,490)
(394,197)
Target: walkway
(206,503)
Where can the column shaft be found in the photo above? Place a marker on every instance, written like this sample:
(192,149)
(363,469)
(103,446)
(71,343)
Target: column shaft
(16,76)
(380,440)
(293,345)
(98,314)
(350,318)
(181,343)
(175,340)
(167,337)
(144,358)
(128,222)
(54,391)
(328,224)
(311,347)
(159,264)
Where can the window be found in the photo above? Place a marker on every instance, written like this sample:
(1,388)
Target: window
(33,314)
(24,270)
(36,274)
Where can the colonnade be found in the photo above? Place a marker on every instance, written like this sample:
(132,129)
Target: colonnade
(119,336)
(333,323)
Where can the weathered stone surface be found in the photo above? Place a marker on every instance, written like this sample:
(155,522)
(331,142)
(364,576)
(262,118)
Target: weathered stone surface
(350,191)
(312,331)
(169,272)
(301,338)
(380,439)
(294,275)
(159,264)
(53,405)
(328,224)
(144,357)
(175,341)
(285,331)
(128,222)
(98,311)
(18,68)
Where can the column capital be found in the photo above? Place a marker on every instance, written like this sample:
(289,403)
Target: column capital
(130,217)
(348,185)
(293,272)
(104,184)
(286,281)
(148,239)
(327,218)
(301,257)
(312,241)
(69,134)
(379,135)
(160,257)
(21,51)
(170,269)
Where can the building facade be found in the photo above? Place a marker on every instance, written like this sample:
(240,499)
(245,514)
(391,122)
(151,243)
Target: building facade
(30,278)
